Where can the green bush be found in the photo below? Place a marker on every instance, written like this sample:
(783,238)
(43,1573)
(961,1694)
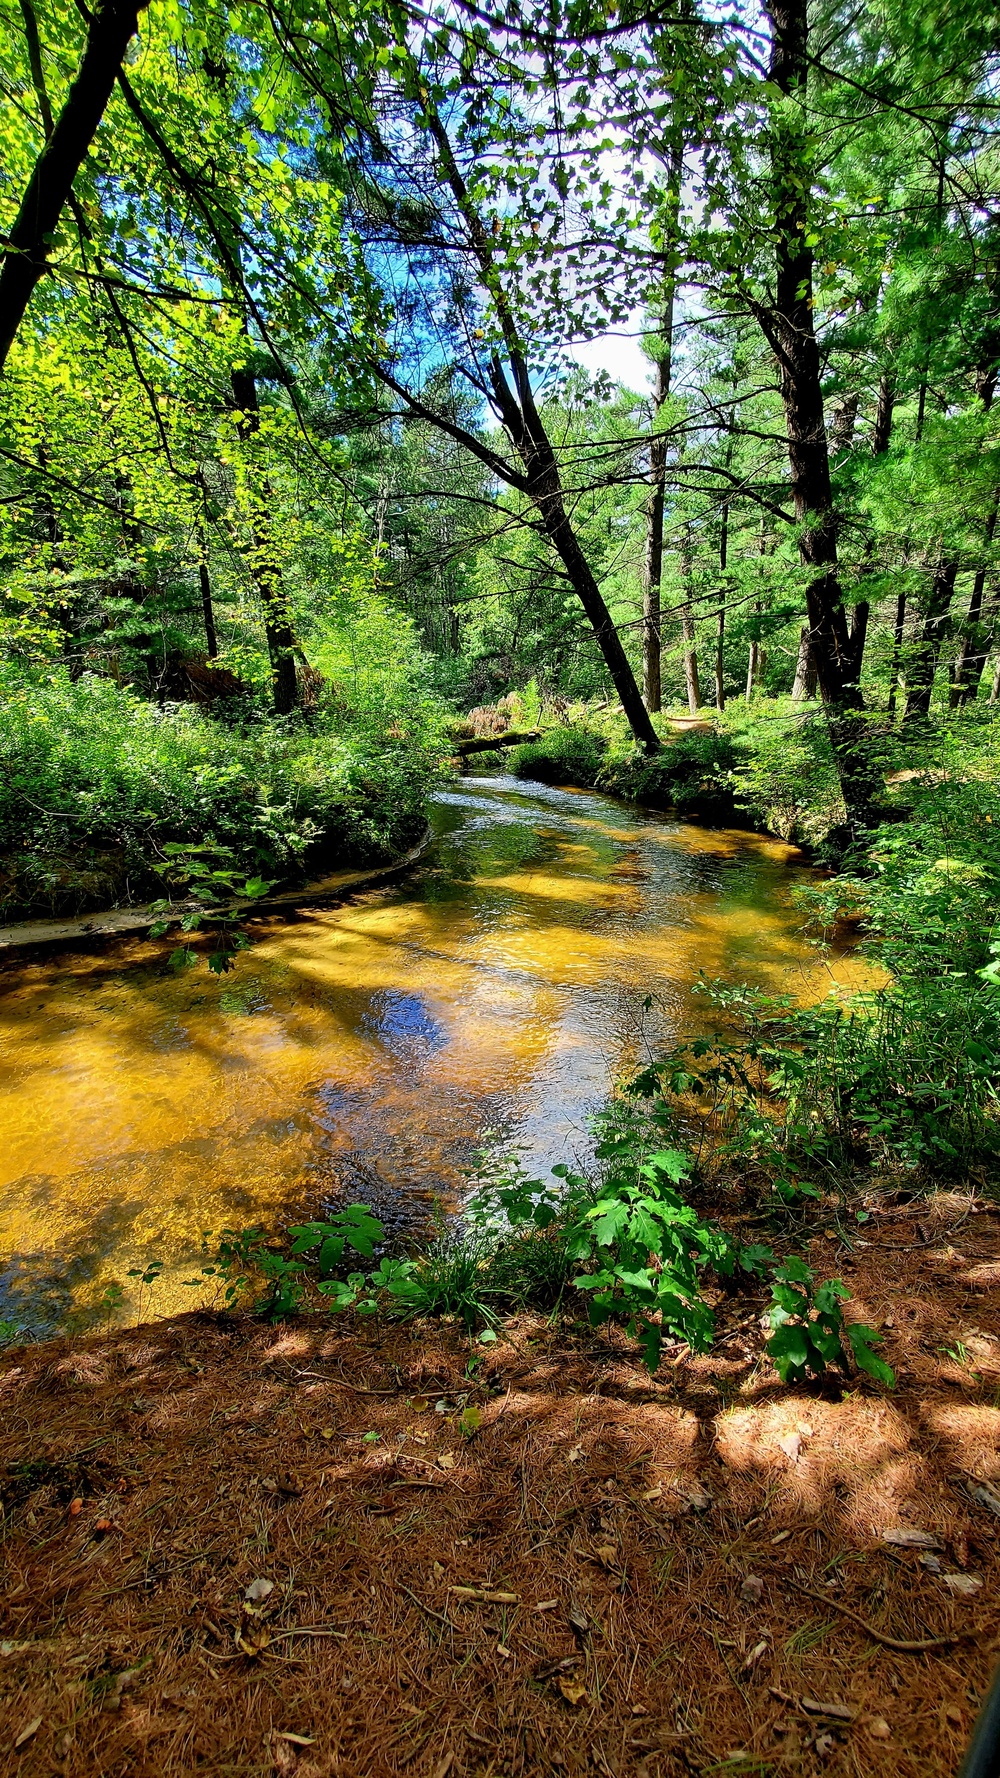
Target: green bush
(692,771)
(561,756)
(94,779)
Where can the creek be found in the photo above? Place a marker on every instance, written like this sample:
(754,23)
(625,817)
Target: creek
(369,1052)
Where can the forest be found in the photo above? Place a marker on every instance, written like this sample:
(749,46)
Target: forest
(576,421)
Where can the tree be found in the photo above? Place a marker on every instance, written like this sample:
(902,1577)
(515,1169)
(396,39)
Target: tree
(29,241)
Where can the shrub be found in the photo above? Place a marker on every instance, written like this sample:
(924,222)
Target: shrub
(692,771)
(561,756)
(93,781)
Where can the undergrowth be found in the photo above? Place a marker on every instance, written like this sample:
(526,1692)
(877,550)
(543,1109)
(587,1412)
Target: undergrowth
(630,1241)
(94,780)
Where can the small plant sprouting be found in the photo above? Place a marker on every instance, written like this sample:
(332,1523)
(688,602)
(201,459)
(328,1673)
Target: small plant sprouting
(809,1330)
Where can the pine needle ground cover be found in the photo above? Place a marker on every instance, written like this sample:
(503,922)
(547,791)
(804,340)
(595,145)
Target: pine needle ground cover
(333,1549)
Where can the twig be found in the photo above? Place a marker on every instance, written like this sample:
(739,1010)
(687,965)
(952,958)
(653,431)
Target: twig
(342,1383)
(901,1646)
(431,1613)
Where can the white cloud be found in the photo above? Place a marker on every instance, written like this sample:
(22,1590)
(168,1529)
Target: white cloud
(620,355)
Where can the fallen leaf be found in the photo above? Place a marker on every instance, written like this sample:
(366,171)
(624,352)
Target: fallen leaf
(101,1527)
(326,1432)
(929,1561)
(506,1654)
(30,1728)
(755,1655)
(578,1619)
(983,1495)
(258,1590)
(954,1715)
(444,1766)
(962,1585)
(752,1590)
(906,1538)
(607,1555)
(698,1500)
(419,1404)
(879,1728)
(446,1460)
(653,1493)
(573,1690)
(804,1427)
(791,1444)
(576,1455)
(543,1605)
(253,1645)
(824,1743)
(781,1537)
(470,1422)
(437,1569)
(75,1507)
(296,1740)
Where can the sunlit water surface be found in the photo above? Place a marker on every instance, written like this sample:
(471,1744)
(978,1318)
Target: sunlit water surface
(368,1052)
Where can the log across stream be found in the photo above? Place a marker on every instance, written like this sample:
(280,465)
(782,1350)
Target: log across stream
(369,1051)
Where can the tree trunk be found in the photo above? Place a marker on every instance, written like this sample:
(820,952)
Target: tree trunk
(895,669)
(524,426)
(977,637)
(208,613)
(653,567)
(752,665)
(720,622)
(882,425)
(568,548)
(281,644)
(804,685)
(692,681)
(29,242)
(923,666)
(789,326)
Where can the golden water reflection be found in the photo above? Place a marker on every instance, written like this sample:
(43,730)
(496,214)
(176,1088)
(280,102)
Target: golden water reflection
(369,1051)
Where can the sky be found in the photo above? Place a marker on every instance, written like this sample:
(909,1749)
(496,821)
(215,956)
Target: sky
(620,355)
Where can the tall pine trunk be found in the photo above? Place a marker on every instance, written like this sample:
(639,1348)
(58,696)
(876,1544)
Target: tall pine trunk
(281,644)
(789,326)
(652,579)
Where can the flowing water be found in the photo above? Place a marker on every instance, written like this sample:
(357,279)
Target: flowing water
(368,1052)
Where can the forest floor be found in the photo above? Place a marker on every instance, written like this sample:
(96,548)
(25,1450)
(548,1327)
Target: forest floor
(234,1548)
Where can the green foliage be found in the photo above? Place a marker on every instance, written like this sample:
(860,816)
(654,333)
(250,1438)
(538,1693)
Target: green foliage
(561,756)
(97,786)
(808,1329)
(693,772)
(784,773)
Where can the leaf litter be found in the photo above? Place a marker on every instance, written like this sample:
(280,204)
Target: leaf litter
(602,1579)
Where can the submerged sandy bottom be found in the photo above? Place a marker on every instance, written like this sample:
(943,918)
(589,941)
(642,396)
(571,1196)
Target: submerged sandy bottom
(370,1051)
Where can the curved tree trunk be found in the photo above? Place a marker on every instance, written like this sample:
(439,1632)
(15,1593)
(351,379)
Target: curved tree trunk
(111,28)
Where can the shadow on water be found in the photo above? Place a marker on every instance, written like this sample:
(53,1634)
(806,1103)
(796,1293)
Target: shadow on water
(369,1052)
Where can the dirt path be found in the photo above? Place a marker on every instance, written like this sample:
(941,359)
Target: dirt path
(231,1548)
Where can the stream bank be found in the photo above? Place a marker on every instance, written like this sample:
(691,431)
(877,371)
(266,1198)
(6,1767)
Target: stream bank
(487,1003)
